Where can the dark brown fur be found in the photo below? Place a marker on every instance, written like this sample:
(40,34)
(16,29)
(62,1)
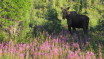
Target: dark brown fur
(75,20)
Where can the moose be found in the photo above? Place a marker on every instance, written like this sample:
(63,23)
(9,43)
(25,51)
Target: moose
(75,20)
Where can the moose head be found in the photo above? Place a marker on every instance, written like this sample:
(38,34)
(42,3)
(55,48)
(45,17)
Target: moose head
(67,14)
(64,12)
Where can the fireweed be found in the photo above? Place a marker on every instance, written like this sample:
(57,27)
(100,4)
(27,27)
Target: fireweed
(57,47)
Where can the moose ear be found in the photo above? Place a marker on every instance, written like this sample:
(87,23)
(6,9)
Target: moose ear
(68,8)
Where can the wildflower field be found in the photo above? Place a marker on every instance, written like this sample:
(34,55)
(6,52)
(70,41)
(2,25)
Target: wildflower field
(45,46)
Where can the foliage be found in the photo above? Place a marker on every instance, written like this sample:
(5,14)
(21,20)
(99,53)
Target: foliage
(15,16)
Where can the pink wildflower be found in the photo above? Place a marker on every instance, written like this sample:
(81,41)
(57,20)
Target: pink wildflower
(21,56)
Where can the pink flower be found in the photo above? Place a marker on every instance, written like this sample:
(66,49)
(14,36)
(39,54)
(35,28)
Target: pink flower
(21,56)
(76,45)
(60,36)
(45,46)
(50,36)
(35,54)
(56,40)
(55,51)
(90,55)
(27,47)
(21,49)
(87,43)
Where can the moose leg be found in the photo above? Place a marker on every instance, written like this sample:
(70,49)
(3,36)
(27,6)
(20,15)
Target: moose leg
(85,29)
(74,29)
(69,28)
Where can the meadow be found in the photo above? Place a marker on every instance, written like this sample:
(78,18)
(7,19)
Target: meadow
(35,29)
